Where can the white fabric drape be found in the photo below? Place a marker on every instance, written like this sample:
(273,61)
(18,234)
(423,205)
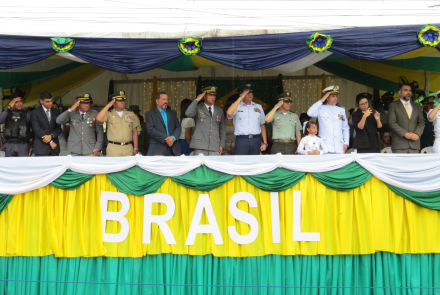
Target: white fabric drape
(418,172)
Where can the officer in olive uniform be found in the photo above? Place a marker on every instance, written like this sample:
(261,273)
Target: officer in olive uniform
(86,134)
(17,128)
(286,126)
(121,127)
(428,136)
(210,135)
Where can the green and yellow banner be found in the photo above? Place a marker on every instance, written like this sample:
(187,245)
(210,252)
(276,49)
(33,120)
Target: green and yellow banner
(91,235)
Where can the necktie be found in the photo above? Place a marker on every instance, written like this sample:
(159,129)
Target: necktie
(48,115)
(82,117)
(407,110)
(210,112)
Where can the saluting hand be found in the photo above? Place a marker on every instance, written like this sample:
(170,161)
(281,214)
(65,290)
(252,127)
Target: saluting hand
(200,96)
(279,104)
(75,105)
(243,94)
(111,103)
(12,102)
(323,99)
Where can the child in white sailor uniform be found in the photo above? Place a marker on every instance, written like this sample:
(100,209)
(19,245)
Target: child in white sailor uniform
(312,144)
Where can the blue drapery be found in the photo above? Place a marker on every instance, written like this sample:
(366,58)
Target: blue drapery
(244,52)
(18,51)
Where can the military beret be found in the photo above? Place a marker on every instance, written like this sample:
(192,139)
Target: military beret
(210,89)
(134,108)
(389,94)
(285,96)
(85,97)
(120,95)
(364,95)
(332,89)
(244,87)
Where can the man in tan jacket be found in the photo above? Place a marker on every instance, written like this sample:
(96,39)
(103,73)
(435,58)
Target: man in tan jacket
(406,122)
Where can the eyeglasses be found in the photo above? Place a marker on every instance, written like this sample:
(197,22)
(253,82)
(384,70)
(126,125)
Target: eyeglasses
(363,104)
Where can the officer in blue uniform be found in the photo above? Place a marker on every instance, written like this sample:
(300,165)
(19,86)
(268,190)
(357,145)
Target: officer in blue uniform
(248,118)
(333,122)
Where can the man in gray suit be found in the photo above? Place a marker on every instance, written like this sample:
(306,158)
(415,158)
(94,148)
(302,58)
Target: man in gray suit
(406,122)
(210,134)
(86,134)
(163,128)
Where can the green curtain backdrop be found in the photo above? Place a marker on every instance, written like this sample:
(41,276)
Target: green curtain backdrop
(71,180)
(4,201)
(189,274)
(202,179)
(264,89)
(277,180)
(136,181)
(429,200)
(354,75)
(344,179)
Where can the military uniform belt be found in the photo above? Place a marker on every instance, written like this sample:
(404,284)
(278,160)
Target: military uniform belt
(284,141)
(120,143)
(249,136)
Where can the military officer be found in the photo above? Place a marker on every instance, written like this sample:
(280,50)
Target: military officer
(248,118)
(86,134)
(286,126)
(121,127)
(17,128)
(386,99)
(428,135)
(333,123)
(210,134)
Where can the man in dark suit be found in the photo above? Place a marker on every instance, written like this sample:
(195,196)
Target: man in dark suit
(163,128)
(46,130)
(406,122)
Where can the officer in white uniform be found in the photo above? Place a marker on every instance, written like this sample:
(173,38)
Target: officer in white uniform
(333,122)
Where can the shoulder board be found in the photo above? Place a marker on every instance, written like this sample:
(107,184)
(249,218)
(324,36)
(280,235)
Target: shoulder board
(93,111)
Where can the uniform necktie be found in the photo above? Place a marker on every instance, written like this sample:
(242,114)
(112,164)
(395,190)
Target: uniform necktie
(82,117)
(48,115)
(210,112)
(407,110)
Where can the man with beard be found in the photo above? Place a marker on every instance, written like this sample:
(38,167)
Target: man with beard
(406,122)
(164,128)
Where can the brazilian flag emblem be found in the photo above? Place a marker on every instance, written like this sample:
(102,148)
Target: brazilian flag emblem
(190,45)
(429,36)
(62,44)
(319,43)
